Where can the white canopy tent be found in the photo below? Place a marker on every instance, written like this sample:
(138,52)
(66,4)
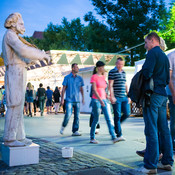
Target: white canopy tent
(139,64)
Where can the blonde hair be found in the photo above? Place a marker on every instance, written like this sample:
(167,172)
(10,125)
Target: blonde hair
(29,85)
(163,45)
(11,19)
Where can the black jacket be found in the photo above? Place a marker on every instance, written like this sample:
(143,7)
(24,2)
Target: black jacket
(140,89)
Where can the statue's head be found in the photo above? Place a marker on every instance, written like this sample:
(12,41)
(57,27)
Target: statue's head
(14,21)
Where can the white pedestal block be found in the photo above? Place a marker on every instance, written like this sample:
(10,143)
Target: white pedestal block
(14,156)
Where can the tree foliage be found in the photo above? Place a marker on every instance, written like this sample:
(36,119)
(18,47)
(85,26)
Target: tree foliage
(131,20)
(167,31)
(75,36)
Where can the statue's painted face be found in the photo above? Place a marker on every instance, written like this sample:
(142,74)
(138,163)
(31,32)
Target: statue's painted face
(20,26)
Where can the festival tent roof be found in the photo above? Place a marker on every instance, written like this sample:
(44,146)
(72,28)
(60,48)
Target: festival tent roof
(63,57)
(102,59)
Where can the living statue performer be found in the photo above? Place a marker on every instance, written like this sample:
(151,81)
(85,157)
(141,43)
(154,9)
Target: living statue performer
(17,55)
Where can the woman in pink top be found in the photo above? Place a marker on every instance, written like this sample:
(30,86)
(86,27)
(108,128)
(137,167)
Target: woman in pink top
(99,102)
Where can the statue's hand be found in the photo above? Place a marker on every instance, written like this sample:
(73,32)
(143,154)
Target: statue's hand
(47,58)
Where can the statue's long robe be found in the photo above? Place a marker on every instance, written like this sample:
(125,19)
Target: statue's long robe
(16,56)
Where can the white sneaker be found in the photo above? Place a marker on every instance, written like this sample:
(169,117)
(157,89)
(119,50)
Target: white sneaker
(115,140)
(147,171)
(76,134)
(61,130)
(164,167)
(94,141)
(119,139)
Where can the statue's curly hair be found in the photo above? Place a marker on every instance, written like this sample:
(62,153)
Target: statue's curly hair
(11,19)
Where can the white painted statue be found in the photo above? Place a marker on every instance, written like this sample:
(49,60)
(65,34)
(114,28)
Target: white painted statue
(17,54)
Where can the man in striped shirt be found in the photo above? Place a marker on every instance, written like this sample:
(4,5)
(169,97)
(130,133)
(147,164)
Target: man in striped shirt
(118,95)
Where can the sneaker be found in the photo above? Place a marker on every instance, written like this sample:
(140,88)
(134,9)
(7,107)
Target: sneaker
(147,171)
(141,153)
(76,134)
(119,139)
(61,130)
(94,141)
(115,140)
(164,167)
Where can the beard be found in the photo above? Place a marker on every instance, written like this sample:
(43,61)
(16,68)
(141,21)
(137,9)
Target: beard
(20,30)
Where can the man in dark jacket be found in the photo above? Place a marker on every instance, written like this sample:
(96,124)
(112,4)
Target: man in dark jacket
(41,93)
(156,66)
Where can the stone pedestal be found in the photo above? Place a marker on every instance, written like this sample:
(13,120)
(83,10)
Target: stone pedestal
(14,156)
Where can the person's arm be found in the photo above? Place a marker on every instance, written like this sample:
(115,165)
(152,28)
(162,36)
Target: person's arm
(2,99)
(148,66)
(62,95)
(82,93)
(111,91)
(129,100)
(171,86)
(96,93)
(45,93)
(23,50)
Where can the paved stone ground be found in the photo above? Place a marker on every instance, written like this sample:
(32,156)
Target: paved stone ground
(51,163)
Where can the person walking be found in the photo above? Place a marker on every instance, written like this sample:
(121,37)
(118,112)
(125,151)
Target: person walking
(41,95)
(34,100)
(2,89)
(29,98)
(3,101)
(156,66)
(72,85)
(118,96)
(56,96)
(99,101)
(49,94)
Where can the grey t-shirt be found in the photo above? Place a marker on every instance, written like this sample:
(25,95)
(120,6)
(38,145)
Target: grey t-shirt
(171,57)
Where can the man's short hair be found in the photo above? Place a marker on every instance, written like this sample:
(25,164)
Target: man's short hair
(40,85)
(48,87)
(153,35)
(11,19)
(120,59)
(74,64)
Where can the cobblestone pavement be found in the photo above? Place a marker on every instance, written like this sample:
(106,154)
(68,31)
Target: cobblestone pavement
(51,162)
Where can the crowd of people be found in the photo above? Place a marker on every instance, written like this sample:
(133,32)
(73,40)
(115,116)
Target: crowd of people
(157,68)
(38,99)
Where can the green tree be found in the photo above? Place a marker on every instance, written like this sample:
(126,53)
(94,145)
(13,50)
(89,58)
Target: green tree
(68,36)
(131,20)
(98,36)
(167,31)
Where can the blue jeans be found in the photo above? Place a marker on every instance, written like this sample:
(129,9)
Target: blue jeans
(156,122)
(172,119)
(123,106)
(41,103)
(69,106)
(96,108)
